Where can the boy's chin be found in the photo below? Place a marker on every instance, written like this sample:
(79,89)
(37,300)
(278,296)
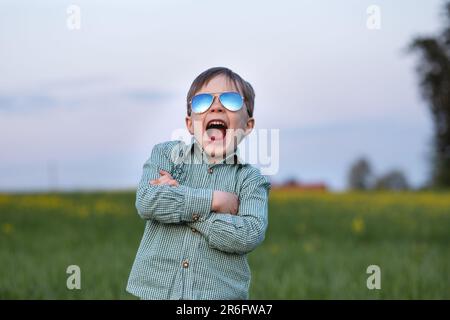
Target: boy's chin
(214,150)
(218,151)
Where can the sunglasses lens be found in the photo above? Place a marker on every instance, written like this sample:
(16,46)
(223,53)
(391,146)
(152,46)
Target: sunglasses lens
(231,100)
(201,102)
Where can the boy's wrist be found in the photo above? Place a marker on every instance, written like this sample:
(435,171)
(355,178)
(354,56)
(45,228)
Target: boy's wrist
(214,205)
(198,203)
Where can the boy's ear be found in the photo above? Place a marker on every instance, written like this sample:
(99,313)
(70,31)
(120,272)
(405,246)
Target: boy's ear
(189,125)
(250,126)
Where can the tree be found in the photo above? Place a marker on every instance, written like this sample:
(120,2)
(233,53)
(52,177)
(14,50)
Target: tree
(360,175)
(434,73)
(393,180)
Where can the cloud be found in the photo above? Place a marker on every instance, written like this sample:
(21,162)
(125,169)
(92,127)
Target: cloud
(146,95)
(68,97)
(79,82)
(26,102)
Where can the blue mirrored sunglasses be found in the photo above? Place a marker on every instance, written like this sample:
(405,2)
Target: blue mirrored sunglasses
(232,101)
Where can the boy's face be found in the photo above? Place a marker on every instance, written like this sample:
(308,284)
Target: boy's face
(218,143)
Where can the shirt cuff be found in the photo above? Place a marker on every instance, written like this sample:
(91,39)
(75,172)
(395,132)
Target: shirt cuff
(197,204)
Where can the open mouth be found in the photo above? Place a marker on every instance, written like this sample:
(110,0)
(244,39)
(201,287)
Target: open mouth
(216,129)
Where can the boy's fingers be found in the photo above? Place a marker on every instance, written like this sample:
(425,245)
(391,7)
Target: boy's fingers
(164,179)
(173,183)
(157,181)
(164,173)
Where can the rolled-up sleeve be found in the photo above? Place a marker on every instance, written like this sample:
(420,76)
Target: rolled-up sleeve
(169,204)
(243,232)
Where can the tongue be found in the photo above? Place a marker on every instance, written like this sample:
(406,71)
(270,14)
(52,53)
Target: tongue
(215,134)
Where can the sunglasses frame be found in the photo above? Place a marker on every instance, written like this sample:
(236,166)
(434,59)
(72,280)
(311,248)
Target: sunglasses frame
(217,95)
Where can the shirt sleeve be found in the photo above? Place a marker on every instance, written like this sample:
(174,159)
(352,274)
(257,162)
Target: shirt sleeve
(243,232)
(169,204)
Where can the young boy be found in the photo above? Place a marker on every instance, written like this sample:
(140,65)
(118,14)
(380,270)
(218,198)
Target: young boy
(204,208)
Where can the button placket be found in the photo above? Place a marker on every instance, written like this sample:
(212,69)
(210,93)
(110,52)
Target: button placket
(188,264)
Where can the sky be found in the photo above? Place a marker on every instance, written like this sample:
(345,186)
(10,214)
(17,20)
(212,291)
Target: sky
(82,108)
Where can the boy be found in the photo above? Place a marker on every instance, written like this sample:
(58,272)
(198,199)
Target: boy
(205,209)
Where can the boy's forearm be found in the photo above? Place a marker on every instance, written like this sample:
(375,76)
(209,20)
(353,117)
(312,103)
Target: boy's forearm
(169,204)
(231,233)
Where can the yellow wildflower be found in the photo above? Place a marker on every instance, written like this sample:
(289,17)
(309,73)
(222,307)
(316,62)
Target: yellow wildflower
(7,228)
(358,225)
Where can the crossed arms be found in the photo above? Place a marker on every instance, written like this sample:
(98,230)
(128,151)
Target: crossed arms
(228,224)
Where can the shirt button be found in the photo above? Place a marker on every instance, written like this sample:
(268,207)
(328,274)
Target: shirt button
(210,170)
(195,217)
(185,264)
(194,230)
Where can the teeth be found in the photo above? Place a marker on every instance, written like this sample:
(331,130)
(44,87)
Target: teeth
(216,122)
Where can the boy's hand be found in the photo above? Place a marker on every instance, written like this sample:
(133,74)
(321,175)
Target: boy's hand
(225,202)
(165,178)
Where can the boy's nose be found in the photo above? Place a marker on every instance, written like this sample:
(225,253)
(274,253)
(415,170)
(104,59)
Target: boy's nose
(217,106)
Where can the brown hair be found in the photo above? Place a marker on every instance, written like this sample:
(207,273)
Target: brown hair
(243,86)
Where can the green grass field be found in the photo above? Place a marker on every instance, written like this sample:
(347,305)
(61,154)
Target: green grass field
(318,246)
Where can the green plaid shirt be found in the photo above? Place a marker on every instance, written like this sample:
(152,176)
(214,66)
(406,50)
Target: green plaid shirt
(187,251)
